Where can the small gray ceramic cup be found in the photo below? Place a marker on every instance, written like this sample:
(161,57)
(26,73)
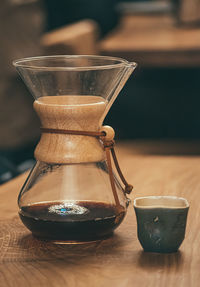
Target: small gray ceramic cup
(161,222)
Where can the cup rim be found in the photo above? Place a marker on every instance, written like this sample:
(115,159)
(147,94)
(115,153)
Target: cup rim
(160,198)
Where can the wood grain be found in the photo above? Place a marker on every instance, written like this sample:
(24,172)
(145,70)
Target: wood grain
(118,261)
(82,113)
(154,41)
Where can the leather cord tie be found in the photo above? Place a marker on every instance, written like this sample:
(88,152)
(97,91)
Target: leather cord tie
(106,136)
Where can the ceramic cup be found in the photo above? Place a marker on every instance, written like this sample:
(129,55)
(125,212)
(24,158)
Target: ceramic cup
(161,222)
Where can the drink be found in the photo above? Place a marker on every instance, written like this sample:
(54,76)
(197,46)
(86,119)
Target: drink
(71,220)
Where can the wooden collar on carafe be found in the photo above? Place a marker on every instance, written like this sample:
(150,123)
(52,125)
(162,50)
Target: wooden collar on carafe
(106,136)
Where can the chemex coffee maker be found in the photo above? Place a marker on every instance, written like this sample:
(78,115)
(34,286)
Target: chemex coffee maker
(72,194)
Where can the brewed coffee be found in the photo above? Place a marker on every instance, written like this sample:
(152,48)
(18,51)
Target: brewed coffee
(71,220)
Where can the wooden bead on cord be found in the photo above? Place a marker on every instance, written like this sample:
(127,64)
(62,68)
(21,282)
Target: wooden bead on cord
(109,133)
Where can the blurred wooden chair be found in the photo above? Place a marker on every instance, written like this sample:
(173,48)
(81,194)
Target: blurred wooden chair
(189,11)
(77,38)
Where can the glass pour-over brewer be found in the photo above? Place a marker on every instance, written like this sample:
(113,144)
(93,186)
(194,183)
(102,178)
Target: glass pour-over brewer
(72,194)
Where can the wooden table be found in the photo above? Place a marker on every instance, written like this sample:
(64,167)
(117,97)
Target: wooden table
(154,41)
(154,169)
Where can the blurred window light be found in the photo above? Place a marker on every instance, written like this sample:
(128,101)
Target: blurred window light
(145,6)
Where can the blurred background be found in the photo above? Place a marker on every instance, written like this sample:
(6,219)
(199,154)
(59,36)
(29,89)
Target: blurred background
(161,99)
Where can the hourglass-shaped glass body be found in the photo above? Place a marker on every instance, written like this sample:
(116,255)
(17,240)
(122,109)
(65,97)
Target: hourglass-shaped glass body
(68,195)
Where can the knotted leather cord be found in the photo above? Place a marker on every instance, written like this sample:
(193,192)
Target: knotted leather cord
(108,146)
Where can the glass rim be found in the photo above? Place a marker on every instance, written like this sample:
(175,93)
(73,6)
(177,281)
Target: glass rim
(24,63)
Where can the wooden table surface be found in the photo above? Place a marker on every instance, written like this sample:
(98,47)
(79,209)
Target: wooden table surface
(154,169)
(154,41)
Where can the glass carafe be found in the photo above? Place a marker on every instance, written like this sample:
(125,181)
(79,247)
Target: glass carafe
(68,195)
